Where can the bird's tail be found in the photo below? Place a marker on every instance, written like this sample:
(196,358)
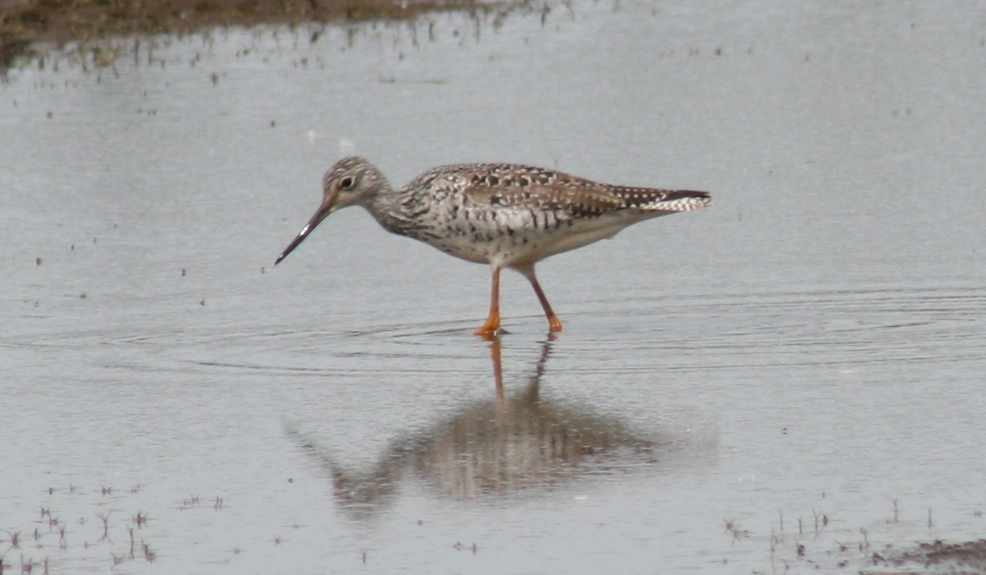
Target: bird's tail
(657,200)
(685,201)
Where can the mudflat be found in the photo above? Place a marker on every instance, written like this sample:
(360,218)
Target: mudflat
(27,22)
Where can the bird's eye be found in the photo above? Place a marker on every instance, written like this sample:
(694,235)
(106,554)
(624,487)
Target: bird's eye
(346,183)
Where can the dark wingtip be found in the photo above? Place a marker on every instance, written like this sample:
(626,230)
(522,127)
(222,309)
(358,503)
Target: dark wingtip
(677,195)
(692,194)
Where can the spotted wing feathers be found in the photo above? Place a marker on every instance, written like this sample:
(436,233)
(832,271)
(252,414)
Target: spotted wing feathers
(537,188)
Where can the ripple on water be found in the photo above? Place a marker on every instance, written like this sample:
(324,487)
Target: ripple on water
(795,329)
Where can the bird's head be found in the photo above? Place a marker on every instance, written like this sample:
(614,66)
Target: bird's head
(352,181)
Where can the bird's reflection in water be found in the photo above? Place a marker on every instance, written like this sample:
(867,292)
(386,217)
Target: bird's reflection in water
(494,448)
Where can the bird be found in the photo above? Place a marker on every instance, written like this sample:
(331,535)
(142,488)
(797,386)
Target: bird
(504,215)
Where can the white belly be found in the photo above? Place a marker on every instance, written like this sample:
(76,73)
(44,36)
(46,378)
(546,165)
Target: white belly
(506,242)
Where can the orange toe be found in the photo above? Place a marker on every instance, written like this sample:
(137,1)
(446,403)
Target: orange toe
(491,327)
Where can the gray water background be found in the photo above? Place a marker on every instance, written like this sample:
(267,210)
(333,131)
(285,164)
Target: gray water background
(802,364)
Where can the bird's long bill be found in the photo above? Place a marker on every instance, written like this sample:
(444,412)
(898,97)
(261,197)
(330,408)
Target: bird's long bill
(323,211)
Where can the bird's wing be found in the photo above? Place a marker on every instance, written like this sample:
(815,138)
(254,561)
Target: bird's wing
(568,196)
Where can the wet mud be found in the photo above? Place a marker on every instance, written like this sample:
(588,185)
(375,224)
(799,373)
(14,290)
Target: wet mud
(935,557)
(26,26)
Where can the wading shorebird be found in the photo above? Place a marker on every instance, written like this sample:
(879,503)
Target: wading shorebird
(505,215)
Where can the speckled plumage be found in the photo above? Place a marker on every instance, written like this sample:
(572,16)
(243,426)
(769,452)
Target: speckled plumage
(507,215)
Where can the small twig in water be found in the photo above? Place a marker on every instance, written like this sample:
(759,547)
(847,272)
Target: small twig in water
(106,526)
(734,528)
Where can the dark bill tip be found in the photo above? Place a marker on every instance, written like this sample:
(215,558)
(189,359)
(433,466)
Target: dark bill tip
(323,212)
(295,243)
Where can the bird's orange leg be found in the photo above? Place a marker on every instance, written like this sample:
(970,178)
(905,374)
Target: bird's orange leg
(492,324)
(554,324)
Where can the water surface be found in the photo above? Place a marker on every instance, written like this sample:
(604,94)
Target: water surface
(799,365)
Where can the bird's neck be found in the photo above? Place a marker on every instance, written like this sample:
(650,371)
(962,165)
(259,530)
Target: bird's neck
(386,206)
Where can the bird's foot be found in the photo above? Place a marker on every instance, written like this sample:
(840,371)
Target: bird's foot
(491,328)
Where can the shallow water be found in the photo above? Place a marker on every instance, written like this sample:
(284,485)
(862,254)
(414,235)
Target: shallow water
(799,365)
